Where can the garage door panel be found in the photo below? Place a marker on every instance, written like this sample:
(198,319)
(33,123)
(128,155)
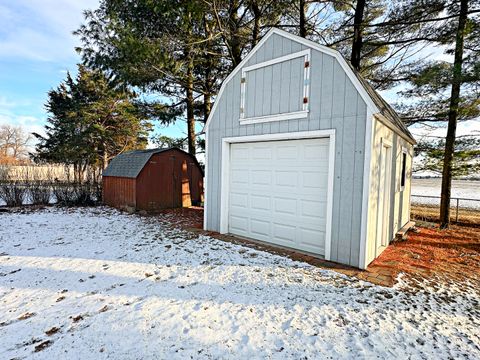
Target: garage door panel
(261,177)
(239,176)
(285,206)
(287,152)
(286,178)
(260,227)
(278,192)
(315,152)
(238,223)
(260,202)
(284,232)
(239,200)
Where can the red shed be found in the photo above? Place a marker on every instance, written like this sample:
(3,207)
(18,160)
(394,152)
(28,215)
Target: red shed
(153,179)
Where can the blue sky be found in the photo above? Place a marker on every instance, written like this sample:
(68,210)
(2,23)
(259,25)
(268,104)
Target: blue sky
(36,50)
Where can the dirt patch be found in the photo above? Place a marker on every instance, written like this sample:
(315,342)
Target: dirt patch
(452,254)
(43,345)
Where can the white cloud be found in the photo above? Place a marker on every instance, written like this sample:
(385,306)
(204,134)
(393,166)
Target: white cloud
(41,30)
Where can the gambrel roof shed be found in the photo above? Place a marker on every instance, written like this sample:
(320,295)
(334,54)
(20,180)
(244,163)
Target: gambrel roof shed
(302,152)
(152,180)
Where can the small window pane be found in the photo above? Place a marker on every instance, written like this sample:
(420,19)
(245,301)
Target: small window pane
(404,169)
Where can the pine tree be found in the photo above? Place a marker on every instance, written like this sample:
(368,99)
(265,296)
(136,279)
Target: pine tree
(444,91)
(90,121)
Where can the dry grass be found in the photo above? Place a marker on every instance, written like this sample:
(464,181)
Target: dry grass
(452,254)
(467,217)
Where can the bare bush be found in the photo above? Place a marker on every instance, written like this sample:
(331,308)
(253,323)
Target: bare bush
(73,194)
(12,192)
(39,186)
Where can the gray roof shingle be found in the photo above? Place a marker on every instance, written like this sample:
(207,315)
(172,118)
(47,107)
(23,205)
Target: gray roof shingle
(385,109)
(129,164)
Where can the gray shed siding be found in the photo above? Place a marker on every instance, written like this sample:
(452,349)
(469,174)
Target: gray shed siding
(334,103)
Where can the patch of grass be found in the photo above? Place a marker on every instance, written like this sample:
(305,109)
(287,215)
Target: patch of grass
(467,217)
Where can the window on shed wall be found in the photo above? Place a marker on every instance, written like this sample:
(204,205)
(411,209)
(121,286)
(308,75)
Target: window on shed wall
(277,89)
(403,178)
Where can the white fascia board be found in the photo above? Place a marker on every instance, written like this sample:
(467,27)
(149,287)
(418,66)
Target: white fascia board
(277,117)
(277,60)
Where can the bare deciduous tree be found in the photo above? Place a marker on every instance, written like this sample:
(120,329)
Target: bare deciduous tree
(14,141)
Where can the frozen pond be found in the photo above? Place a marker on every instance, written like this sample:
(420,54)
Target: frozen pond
(468,189)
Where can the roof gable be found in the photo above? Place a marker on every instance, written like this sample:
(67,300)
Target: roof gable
(375,103)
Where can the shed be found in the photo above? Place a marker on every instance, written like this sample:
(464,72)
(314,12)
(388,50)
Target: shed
(303,153)
(153,179)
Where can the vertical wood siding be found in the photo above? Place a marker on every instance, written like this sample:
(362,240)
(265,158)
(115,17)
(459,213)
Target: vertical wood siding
(334,103)
(118,191)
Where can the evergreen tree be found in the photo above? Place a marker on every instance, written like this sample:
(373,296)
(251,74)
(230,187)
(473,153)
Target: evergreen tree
(445,91)
(90,121)
(466,157)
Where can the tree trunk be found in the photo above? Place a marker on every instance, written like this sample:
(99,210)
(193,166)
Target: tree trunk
(303,22)
(190,105)
(236,51)
(105,157)
(452,118)
(207,105)
(256,22)
(357,35)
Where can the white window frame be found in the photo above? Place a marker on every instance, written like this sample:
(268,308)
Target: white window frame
(306,54)
(225,177)
(401,179)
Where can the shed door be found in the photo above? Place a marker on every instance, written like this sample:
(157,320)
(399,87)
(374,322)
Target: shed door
(278,192)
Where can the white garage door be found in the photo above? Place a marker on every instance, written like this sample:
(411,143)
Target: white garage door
(278,192)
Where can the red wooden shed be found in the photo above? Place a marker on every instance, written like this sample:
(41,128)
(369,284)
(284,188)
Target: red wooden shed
(153,179)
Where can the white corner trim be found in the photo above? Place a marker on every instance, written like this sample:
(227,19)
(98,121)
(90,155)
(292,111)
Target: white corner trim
(280,59)
(277,117)
(225,180)
(348,70)
(205,184)
(224,187)
(331,178)
(367,164)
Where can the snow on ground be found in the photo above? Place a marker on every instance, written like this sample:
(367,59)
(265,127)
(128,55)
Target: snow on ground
(98,284)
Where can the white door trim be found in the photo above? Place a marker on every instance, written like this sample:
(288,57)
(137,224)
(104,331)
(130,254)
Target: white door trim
(225,179)
(367,185)
(383,208)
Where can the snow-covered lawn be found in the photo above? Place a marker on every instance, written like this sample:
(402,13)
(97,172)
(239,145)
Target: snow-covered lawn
(95,283)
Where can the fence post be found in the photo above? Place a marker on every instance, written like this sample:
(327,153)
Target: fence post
(456,216)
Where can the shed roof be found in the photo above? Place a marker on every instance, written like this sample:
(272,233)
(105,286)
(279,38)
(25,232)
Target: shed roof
(384,108)
(129,164)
